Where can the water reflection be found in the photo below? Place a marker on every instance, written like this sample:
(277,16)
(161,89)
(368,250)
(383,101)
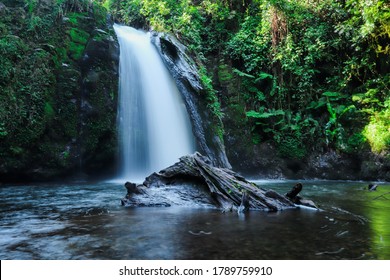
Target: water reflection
(378,209)
(87,222)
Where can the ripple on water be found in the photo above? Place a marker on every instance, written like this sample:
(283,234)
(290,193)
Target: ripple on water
(87,222)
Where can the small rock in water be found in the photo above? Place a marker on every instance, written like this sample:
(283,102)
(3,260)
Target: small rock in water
(372,187)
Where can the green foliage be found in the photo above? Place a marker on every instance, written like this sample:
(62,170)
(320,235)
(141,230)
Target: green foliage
(378,130)
(11,50)
(128,12)
(3,130)
(265,115)
(300,69)
(291,132)
(78,36)
(224,74)
(302,74)
(40,44)
(337,106)
(356,143)
(369,24)
(211,93)
(77,44)
(291,147)
(49,111)
(248,47)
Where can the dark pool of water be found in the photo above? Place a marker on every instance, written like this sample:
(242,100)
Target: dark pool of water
(86,221)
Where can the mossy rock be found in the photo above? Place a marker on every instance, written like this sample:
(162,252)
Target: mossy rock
(43,128)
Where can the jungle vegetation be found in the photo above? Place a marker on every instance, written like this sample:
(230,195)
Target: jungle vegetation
(45,127)
(303,74)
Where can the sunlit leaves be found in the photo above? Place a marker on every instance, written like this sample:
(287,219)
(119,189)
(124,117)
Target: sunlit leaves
(265,115)
(369,22)
(378,130)
(325,60)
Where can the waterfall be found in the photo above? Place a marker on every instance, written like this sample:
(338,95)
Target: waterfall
(154,127)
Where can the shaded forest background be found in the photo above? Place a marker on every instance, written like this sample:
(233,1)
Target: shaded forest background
(301,86)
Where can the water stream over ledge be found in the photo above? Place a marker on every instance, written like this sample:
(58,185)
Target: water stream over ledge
(153,123)
(86,221)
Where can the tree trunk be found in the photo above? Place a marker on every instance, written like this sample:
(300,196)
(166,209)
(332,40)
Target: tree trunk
(227,189)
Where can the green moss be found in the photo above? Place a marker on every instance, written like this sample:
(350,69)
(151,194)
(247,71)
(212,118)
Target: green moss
(76,18)
(76,50)
(49,111)
(17,150)
(211,94)
(100,35)
(40,86)
(3,29)
(78,36)
(78,40)
(3,130)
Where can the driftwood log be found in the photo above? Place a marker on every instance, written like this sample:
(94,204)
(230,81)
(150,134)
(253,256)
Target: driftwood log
(227,190)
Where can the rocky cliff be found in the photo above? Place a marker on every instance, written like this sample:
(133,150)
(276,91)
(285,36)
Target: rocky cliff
(58,89)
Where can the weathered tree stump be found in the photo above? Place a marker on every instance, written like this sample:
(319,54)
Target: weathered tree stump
(293,196)
(227,189)
(294,191)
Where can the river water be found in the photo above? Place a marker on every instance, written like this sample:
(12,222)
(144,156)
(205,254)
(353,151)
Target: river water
(86,221)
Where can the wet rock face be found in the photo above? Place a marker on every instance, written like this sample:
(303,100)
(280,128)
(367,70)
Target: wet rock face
(375,167)
(263,161)
(333,166)
(185,74)
(256,160)
(60,83)
(98,107)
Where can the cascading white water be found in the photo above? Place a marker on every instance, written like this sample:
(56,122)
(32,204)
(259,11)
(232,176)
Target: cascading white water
(154,127)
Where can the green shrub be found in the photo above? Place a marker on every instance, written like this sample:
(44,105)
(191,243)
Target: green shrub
(291,147)
(377,131)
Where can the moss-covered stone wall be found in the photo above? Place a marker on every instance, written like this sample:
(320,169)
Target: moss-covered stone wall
(58,89)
